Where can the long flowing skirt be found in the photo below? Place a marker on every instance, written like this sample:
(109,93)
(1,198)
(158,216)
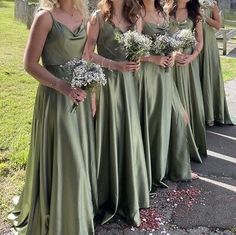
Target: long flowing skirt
(189,88)
(215,105)
(60,192)
(122,176)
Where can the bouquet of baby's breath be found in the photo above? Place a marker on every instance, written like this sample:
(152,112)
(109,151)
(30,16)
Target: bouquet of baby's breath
(84,74)
(164,44)
(134,44)
(185,38)
(206,3)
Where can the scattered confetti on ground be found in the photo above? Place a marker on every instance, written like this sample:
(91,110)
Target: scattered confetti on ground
(187,197)
(158,217)
(151,220)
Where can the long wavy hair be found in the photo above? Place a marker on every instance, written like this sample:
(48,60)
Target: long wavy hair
(80,5)
(157,4)
(131,10)
(193,8)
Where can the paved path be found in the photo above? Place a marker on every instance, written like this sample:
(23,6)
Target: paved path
(230,90)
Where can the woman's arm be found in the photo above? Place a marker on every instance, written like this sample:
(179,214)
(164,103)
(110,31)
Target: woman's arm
(139,24)
(215,20)
(93,29)
(40,28)
(199,40)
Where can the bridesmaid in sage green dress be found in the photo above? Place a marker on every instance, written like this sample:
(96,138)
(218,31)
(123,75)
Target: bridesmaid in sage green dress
(61,171)
(162,114)
(215,105)
(122,175)
(186,70)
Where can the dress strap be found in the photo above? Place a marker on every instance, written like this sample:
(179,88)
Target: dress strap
(97,17)
(50,13)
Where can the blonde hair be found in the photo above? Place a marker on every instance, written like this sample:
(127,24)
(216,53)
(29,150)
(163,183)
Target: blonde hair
(80,5)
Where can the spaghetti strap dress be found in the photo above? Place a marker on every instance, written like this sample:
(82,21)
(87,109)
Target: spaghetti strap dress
(215,104)
(60,192)
(167,138)
(188,84)
(122,175)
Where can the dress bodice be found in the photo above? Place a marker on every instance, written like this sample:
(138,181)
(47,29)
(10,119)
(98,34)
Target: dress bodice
(107,44)
(178,25)
(62,44)
(151,29)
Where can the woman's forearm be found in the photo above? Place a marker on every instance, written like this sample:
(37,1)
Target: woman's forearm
(102,61)
(197,50)
(213,23)
(41,74)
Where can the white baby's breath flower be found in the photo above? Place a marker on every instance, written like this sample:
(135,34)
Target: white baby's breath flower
(206,3)
(84,74)
(164,44)
(185,38)
(134,44)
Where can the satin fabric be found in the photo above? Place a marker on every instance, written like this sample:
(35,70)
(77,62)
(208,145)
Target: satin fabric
(188,84)
(60,192)
(215,105)
(155,110)
(122,176)
(165,134)
(182,146)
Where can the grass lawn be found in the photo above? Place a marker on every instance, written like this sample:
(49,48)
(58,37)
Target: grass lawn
(231,16)
(16,104)
(229,68)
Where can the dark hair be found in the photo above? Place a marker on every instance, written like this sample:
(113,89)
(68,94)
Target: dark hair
(157,5)
(131,10)
(193,8)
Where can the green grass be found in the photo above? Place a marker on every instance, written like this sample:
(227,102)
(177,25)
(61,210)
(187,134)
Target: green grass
(229,68)
(16,104)
(228,15)
(17,90)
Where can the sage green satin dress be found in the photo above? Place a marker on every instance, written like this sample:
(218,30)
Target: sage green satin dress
(155,112)
(165,134)
(215,105)
(60,192)
(188,83)
(122,175)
